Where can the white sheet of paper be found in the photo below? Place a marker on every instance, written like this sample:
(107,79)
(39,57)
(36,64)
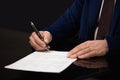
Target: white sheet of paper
(51,61)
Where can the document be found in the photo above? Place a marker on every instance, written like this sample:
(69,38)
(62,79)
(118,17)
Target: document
(48,61)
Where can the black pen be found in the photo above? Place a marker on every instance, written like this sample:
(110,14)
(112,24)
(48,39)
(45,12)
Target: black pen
(39,35)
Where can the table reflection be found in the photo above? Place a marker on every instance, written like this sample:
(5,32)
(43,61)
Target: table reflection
(79,70)
(92,63)
(86,68)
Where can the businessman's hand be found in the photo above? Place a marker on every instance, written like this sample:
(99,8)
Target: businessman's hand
(37,43)
(89,49)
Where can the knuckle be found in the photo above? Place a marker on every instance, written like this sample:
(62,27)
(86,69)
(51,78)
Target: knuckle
(30,37)
(33,34)
(90,48)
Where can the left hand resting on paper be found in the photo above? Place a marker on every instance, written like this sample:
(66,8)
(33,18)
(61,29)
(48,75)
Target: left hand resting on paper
(89,49)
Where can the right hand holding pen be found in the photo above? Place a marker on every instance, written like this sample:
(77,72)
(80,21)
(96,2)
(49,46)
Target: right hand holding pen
(39,44)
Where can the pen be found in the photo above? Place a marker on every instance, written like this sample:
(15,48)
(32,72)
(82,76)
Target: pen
(39,35)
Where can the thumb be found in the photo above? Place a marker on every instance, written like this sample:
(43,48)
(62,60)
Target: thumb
(46,40)
(47,37)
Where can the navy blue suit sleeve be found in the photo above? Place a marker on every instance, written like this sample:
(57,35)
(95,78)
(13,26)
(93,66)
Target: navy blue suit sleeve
(114,41)
(67,25)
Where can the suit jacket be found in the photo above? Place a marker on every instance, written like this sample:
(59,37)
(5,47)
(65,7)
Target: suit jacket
(81,18)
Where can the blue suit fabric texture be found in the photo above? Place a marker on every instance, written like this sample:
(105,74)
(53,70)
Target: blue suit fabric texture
(79,22)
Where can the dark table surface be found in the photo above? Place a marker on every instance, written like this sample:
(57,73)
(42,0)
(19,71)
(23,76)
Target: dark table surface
(80,69)
(14,45)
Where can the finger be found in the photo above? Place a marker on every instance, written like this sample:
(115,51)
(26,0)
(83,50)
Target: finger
(37,48)
(84,51)
(38,40)
(35,45)
(81,52)
(47,36)
(72,56)
(87,55)
(75,50)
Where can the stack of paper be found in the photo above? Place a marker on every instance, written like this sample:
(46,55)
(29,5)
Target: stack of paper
(49,61)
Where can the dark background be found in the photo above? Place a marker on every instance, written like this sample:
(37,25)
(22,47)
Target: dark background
(17,14)
(15,28)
